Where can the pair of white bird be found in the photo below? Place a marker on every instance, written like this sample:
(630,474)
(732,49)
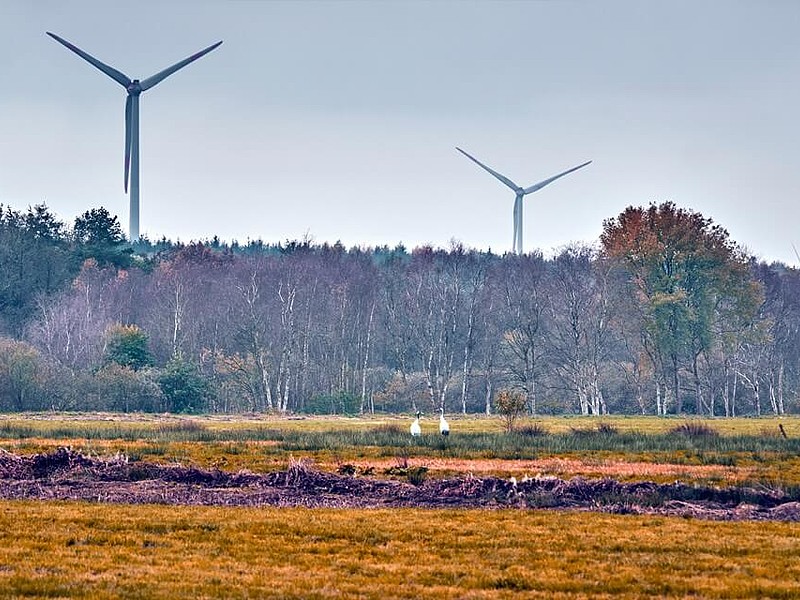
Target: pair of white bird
(444,426)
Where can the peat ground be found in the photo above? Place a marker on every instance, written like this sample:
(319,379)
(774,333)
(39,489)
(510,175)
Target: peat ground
(69,475)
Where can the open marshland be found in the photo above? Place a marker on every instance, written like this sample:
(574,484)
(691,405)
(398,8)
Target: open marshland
(156,539)
(717,452)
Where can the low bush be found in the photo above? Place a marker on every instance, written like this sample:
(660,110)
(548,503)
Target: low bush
(533,430)
(606,429)
(582,432)
(694,429)
(417,475)
(510,404)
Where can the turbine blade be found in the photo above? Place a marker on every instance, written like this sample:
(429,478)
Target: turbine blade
(128,140)
(797,254)
(541,184)
(117,76)
(502,178)
(160,76)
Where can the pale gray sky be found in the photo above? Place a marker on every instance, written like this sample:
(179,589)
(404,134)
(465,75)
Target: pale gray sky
(339,119)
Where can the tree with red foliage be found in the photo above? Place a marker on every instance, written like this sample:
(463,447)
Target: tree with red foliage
(685,275)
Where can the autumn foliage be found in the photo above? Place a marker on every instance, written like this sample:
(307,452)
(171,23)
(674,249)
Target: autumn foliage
(667,315)
(687,282)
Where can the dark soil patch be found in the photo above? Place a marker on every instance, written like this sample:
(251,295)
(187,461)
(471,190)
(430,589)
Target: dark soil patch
(68,475)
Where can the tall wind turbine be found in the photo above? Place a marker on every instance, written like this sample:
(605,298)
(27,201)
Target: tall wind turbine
(134,87)
(521,193)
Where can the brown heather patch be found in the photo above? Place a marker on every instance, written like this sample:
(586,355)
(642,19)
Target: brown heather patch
(78,550)
(69,475)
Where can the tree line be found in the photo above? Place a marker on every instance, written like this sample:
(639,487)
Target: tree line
(664,315)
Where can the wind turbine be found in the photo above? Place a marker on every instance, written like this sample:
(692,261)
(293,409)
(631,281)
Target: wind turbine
(134,87)
(521,193)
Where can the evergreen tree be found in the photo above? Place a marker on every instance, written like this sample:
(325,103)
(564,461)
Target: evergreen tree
(99,236)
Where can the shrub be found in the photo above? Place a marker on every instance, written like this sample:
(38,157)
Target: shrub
(184,389)
(606,429)
(534,430)
(26,379)
(510,404)
(582,431)
(414,475)
(346,469)
(694,429)
(417,475)
(123,389)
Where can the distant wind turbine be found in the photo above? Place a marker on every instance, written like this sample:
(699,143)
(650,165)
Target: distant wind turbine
(134,88)
(521,193)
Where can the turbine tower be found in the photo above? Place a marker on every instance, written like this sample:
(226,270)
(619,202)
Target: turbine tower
(521,193)
(134,87)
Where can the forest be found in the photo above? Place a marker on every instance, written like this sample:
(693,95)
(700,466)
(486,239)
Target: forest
(665,314)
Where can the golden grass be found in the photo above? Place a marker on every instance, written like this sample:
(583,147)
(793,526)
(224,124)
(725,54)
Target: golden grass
(46,423)
(77,550)
(654,425)
(464,423)
(570,467)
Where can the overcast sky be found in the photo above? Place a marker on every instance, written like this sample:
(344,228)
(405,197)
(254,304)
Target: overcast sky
(338,120)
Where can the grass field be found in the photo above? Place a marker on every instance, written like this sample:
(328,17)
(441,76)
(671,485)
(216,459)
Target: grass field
(79,550)
(76,550)
(738,451)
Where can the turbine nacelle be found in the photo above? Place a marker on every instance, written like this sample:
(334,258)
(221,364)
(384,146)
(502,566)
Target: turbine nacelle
(134,88)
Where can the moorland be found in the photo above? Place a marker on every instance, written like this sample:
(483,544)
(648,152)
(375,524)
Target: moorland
(356,507)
